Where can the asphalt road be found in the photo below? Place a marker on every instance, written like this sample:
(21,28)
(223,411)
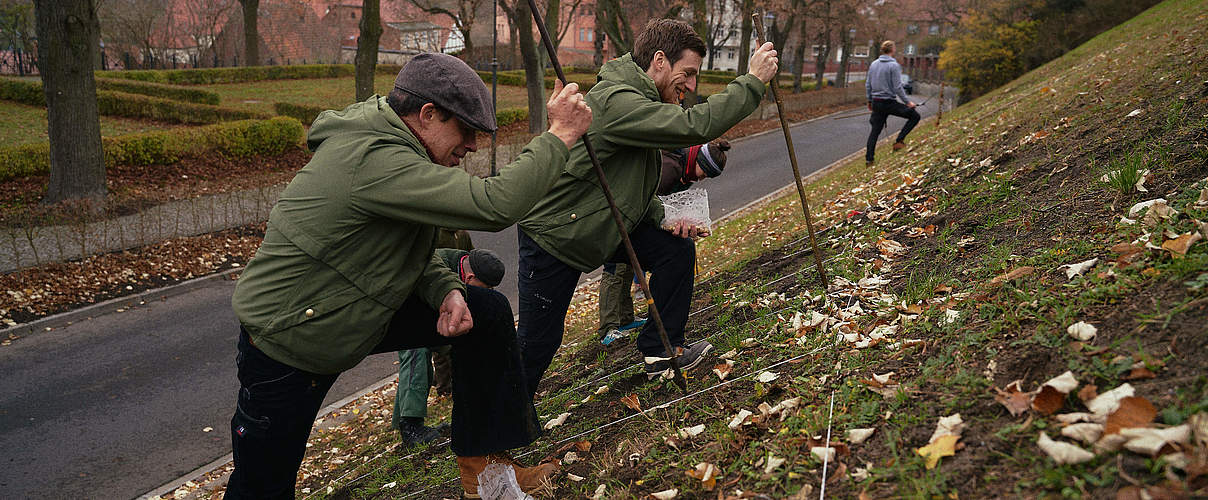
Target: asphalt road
(114,406)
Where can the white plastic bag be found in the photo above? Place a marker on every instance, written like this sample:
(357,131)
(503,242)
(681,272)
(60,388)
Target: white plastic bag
(690,206)
(498,482)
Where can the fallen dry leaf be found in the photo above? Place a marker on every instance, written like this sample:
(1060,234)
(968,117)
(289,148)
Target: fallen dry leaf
(1086,432)
(1151,442)
(944,446)
(1072,270)
(952,425)
(1107,402)
(1012,275)
(739,419)
(767,376)
(1063,453)
(1178,247)
(554,422)
(722,370)
(706,473)
(691,432)
(857,436)
(826,454)
(1082,331)
(1139,373)
(665,494)
(1013,398)
(1051,396)
(1132,412)
(1088,392)
(632,402)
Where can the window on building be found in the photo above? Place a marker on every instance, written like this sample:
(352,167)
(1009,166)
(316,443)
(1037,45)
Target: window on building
(860,51)
(912,29)
(817,49)
(933,30)
(730,54)
(352,15)
(910,49)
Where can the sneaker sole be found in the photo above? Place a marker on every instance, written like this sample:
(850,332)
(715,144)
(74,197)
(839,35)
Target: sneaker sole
(651,376)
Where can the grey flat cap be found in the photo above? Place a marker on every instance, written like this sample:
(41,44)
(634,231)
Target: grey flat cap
(449,83)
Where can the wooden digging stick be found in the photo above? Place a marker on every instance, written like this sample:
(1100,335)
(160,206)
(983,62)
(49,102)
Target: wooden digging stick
(788,140)
(616,213)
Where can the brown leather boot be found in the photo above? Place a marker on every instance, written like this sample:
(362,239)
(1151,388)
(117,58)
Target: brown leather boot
(530,479)
(897,146)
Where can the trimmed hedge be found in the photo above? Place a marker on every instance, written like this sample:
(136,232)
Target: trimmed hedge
(174,92)
(307,114)
(202,76)
(239,139)
(113,103)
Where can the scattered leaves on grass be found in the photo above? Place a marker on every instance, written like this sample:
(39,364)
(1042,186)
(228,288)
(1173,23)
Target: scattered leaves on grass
(1012,275)
(739,419)
(722,370)
(1063,453)
(1086,432)
(1107,402)
(665,494)
(772,463)
(767,376)
(1178,247)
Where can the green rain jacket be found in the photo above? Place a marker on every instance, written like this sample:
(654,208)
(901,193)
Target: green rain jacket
(629,126)
(352,235)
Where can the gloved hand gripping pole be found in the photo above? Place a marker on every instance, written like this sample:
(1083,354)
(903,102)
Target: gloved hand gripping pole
(616,213)
(788,140)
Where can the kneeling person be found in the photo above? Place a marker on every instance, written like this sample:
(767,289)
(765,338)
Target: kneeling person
(347,269)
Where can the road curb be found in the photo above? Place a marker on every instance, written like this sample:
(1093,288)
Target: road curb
(112,305)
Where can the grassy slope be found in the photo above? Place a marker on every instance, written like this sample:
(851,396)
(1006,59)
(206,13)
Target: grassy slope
(1009,202)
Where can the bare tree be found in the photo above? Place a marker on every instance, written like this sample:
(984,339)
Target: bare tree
(611,18)
(463,17)
(140,24)
(747,7)
(202,24)
(367,47)
(251,35)
(722,27)
(67,34)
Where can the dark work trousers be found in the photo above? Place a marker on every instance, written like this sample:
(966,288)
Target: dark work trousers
(277,405)
(881,109)
(546,285)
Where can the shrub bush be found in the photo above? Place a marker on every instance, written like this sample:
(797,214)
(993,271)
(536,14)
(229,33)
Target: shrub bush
(22,91)
(303,113)
(238,139)
(505,117)
(201,76)
(174,92)
(113,103)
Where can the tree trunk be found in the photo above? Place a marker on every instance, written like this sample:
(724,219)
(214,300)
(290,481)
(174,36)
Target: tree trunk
(67,34)
(822,57)
(534,76)
(744,44)
(799,57)
(251,35)
(597,57)
(552,12)
(845,44)
(367,47)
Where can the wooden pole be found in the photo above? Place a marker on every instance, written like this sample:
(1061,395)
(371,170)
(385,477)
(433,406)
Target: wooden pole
(788,140)
(616,213)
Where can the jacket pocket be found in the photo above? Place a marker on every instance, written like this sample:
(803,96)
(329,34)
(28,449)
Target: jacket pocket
(301,310)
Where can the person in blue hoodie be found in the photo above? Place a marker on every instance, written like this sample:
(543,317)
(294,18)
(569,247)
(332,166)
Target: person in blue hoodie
(883,87)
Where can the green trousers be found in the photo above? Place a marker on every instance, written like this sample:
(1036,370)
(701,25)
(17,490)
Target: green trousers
(415,377)
(616,303)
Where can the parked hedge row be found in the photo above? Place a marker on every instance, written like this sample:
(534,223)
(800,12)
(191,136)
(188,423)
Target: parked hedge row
(174,92)
(505,117)
(239,139)
(22,91)
(201,76)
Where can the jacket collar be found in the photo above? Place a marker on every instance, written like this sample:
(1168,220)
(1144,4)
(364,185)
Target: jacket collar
(625,71)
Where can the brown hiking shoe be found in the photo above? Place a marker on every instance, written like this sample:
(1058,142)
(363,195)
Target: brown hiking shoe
(897,146)
(530,479)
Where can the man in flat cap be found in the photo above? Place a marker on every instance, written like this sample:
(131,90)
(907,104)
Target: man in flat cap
(347,269)
(571,230)
(478,267)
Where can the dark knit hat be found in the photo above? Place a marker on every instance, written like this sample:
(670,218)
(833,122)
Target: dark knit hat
(450,84)
(486,266)
(712,157)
